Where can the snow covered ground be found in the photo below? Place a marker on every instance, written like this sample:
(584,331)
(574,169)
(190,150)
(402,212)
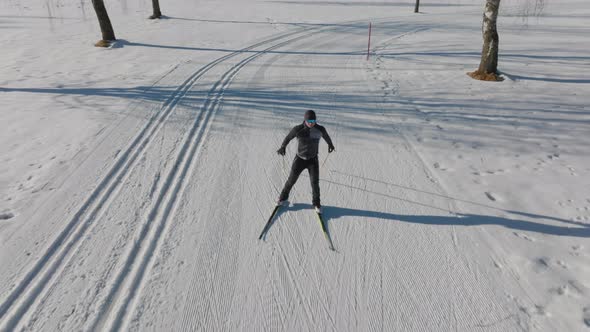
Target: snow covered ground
(135,180)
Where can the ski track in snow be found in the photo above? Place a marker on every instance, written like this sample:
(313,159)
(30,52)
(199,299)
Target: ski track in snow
(285,254)
(195,307)
(70,239)
(193,144)
(68,243)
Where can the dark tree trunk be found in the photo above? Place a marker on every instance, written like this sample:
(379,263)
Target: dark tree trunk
(417,8)
(157,12)
(103,19)
(488,66)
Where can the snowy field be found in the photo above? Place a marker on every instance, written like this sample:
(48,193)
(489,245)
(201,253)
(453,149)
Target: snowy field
(136,180)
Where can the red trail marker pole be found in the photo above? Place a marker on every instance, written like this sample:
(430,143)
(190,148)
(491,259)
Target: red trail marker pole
(369,44)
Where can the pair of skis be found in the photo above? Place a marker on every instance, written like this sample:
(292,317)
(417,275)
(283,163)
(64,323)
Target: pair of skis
(320,219)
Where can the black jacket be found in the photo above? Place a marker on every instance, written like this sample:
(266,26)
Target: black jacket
(308,139)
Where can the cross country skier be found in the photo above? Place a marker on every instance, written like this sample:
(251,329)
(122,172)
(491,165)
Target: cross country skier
(308,136)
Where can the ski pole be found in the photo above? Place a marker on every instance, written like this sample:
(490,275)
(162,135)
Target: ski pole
(285,170)
(325,159)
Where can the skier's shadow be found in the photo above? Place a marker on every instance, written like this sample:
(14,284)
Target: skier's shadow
(332,213)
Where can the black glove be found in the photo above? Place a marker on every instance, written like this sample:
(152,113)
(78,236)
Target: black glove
(330,148)
(281,151)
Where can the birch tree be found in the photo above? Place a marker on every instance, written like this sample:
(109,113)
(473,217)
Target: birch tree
(488,65)
(108,34)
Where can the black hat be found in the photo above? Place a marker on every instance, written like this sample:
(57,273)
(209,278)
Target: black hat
(309,115)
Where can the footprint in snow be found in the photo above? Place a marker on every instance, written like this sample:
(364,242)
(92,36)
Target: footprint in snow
(524,236)
(562,290)
(6,215)
(536,310)
(577,288)
(572,288)
(576,250)
(541,264)
(491,196)
(540,310)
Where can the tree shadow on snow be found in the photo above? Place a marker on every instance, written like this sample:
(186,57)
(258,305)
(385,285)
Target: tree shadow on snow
(366,4)
(124,43)
(267,22)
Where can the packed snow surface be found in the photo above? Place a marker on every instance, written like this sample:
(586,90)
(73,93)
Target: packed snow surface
(135,180)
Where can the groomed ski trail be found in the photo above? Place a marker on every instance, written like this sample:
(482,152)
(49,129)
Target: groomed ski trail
(391,271)
(39,280)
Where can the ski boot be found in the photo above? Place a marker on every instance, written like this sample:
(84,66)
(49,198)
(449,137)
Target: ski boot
(318,209)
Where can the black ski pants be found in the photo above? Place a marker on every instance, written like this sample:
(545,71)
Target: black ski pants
(313,167)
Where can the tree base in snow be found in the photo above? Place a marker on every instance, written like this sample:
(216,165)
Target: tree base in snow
(493,77)
(153,17)
(104,43)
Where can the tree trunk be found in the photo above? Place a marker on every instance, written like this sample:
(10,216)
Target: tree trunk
(105,23)
(488,66)
(417,6)
(157,12)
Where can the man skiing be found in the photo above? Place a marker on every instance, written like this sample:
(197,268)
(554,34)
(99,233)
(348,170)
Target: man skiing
(308,136)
